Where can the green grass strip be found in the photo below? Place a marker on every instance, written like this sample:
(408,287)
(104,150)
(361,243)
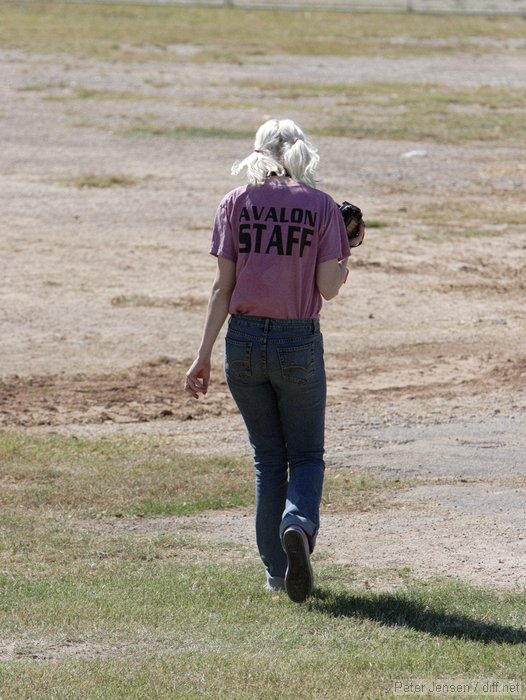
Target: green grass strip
(117,476)
(212,631)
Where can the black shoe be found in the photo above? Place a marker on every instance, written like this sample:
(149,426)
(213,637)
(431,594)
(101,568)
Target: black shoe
(298,577)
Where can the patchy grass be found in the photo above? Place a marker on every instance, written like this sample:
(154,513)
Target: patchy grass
(227,34)
(116,476)
(170,630)
(103,181)
(347,490)
(398,94)
(187,132)
(466,217)
(458,217)
(405,111)
(120,476)
(376,223)
(103,95)
(188,301)
(47,542)
(400,111)
(43,87)
(136,607)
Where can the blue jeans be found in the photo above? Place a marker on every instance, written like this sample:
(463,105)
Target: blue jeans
(276,374)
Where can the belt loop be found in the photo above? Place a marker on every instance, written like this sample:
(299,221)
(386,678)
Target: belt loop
(266,326)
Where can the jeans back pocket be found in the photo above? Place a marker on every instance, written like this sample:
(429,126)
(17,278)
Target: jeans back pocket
(298,364)
(238,359)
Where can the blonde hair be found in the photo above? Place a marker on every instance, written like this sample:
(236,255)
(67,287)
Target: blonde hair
(280,148)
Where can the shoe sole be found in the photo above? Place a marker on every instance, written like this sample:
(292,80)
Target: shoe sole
(298,578)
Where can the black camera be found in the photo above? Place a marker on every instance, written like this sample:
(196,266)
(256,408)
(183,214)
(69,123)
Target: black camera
(353,218)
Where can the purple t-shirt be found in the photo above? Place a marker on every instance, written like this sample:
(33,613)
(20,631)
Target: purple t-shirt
(277,233)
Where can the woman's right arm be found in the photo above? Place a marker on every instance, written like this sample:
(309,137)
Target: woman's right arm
(198,375)
(330,275)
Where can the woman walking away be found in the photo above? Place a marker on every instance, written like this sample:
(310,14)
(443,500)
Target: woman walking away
(281,246)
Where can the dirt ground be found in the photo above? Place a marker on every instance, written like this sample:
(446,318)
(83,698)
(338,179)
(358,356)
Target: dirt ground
(103,293)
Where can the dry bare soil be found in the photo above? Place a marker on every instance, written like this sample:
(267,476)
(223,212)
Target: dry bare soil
(105,275)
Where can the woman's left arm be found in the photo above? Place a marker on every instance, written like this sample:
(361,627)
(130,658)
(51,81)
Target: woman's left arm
(198,376)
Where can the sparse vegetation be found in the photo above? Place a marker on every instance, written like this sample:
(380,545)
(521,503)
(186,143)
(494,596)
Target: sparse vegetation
(110,476)
(187,301)
(146,33)
(398,111)
(116,476)
(99,181)
(186,132)
(101,603)
(379,110)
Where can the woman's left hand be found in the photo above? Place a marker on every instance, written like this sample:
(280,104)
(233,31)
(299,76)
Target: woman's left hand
(197,378)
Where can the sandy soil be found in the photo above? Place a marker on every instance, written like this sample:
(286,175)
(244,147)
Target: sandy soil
(103,291)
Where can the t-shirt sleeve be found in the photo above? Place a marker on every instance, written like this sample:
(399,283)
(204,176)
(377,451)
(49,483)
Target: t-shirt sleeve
(334,243)
(222,244)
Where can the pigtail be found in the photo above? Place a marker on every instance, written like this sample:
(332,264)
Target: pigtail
(301,160)
(280,148)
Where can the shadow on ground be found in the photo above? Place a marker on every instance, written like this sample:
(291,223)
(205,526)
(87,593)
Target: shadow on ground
(399,611)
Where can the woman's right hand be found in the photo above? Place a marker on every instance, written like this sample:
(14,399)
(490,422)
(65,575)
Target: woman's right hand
(197,377)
